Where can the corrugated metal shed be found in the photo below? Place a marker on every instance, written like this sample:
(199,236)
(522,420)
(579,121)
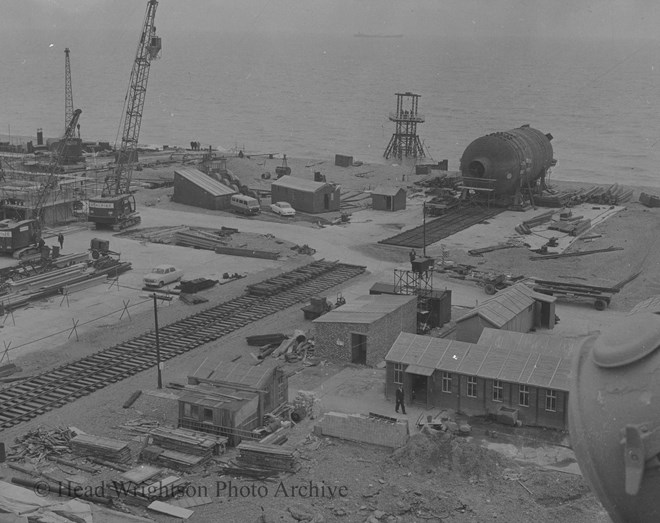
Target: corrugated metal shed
(651,304)
(205,182)
(550,370)
(300,184)
(254,376)
(365,309)
(507,303)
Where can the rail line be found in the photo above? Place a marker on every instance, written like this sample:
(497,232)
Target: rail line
(442,227)
(52,389)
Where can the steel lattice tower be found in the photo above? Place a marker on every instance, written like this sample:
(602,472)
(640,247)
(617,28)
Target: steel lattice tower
(405,143)
(68,91)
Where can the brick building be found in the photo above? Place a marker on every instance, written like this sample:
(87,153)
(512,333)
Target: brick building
(516,308)
(363,330)
(507,374)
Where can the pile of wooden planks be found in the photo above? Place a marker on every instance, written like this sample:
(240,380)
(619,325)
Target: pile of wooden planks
(265,456)
(188,441)
(199,239)
(171,458)
(103,448)
(574,227)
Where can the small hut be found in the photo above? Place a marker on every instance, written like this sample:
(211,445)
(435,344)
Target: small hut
(388,199)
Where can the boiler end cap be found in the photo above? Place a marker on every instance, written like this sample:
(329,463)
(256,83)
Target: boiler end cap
(628,341)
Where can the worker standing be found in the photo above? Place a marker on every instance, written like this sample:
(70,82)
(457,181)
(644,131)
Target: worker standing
(60,239)
(399,400)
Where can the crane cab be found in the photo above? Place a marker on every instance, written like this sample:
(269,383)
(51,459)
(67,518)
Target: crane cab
(113,212)
(16,235)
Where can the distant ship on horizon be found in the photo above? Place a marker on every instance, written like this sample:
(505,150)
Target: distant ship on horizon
(377,35)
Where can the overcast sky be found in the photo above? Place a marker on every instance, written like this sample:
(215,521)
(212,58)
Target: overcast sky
(530,18)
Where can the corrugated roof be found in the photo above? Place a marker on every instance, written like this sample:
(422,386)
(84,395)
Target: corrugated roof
(387,191)
(507,304)
(302,184)
(227,372)
(516,363)
(651,304)
(205,182)
(366,309)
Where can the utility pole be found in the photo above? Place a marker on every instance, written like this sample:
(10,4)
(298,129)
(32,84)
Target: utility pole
(156,297)
(424,229)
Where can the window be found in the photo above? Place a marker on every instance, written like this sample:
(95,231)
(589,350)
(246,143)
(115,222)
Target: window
(551,400)
(208,415)
(398,373)
(446,382)
(472,386)
(186,410)
(523,395)
(194,411)
(498,390)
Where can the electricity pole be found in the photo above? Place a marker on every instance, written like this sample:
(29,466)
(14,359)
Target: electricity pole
(156,297)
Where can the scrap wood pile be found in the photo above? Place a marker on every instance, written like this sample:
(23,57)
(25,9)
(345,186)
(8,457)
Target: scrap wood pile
(527,226)
(304,249)
(573,225)
(308,401)
(265,456)
(40,443)
(106,449)
(443,180)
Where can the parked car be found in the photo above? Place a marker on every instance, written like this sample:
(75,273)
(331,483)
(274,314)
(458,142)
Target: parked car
(283,209)
(162,275)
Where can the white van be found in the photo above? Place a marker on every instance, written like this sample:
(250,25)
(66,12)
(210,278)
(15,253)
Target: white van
(245,204)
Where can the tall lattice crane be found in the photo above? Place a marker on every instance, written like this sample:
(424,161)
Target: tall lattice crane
(68,91)
(115,207)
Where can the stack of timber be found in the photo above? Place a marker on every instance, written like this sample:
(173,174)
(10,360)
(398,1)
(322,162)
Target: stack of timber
(269,457)
(50,283)
(601,296)
(573,226)
(188,441)
(615,194)
(200,239)
(141,489)
(196,285)
(172,458)
(557,199)
(103,448)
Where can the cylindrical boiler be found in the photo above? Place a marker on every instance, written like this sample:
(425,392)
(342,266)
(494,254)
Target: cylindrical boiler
(506,161)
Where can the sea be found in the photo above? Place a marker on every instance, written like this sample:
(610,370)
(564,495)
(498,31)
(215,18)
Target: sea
(315,96)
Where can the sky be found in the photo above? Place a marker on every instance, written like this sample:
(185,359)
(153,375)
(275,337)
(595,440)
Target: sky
(609,19)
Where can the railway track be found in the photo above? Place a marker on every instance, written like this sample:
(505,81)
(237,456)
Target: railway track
(57,387)
(442,227)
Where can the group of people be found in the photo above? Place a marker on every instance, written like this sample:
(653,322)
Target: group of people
(195,146)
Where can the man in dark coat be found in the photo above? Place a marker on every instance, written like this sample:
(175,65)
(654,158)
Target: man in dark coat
(399,400)
(60,239)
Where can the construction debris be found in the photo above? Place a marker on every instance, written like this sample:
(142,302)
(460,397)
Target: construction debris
(189,441)
(260,340)
(196,285)
(41,443)
(601,296)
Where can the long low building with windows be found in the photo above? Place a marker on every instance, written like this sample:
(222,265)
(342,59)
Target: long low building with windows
(511,375)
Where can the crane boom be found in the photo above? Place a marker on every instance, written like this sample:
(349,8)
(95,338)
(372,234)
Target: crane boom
(68,91)
(149,47)
(55,163)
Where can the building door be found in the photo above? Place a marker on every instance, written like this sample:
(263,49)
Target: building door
(419,388)
(359,349)
(388,203)
(326,201)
